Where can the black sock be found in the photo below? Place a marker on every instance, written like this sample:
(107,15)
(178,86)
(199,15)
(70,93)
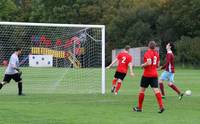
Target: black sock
(19,88)
(1,85)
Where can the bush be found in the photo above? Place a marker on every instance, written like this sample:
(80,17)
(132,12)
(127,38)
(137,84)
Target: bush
(188,51)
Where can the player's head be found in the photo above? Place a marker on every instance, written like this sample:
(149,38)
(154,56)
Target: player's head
(18,50)
(152,45)
(170,46)
(127,48)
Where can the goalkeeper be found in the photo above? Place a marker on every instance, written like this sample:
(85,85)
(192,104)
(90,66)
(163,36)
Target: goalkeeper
(13,71)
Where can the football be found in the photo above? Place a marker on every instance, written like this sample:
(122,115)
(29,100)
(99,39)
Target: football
(188,92)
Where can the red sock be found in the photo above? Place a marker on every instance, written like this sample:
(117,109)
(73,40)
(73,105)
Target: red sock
(118,87)
(159,99)
(140,100)
(162,89)
(114,82)
(174,88)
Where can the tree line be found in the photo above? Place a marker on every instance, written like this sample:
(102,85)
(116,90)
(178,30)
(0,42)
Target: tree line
(132,22)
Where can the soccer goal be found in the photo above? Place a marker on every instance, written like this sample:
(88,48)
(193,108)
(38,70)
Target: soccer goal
(64,58)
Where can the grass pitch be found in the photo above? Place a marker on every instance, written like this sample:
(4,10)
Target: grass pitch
(51,100)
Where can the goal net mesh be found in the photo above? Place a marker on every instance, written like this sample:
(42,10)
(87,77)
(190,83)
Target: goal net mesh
(75,59)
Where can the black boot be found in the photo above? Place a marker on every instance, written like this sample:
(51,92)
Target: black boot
(20,89)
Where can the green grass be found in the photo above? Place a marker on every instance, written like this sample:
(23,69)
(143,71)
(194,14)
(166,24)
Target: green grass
(54,98)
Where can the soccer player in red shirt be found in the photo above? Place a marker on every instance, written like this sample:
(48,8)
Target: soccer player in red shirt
(168,74)
(150,77)
(124,60)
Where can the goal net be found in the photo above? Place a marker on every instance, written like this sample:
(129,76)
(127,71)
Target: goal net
(57,58)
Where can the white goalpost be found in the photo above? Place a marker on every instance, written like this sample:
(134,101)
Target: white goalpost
(64,58)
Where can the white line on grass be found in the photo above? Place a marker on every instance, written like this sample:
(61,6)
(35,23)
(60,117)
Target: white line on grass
(57,83)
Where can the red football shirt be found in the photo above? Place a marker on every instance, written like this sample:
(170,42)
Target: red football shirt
(123,60)
(153,57)
(169,65)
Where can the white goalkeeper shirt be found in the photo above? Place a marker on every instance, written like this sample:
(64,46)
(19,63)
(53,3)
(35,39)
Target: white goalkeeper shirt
(13,63)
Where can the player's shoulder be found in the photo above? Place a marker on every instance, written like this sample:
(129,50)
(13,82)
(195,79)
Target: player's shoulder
(120,53)
(128,55)
(13,56)
(147,52)
(156,52)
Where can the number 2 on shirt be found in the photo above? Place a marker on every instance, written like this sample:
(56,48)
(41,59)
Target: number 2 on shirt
(123,59)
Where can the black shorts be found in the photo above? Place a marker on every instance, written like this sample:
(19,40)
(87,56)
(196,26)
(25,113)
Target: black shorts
(146,81)
(120,75)
(16,77)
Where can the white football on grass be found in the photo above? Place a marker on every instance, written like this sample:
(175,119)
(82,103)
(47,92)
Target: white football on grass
(188,92)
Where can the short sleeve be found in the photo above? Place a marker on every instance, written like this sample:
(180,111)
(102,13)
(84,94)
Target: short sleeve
(12,60)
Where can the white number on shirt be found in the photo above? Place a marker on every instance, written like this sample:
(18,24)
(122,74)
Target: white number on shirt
(123,59)
(154,60)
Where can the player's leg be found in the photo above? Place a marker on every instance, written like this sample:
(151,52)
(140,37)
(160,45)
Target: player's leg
(6,80)
(143,85)
(114,81)
(173,86)
(119,82)
(20,93)
(2,83)
(159,99)
(154,86)
(140,100)
(162,78)
(121,77)
(18,79)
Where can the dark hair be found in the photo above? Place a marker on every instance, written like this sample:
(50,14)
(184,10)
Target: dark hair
(18,49)
(152,44)
(172,46)
(127,47)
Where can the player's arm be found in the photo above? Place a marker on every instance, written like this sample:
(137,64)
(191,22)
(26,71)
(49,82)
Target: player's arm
(163,66)
(148,62)
(112,63)
(17,69)
(131,69)
(14,65)
(158,66)
(168,61)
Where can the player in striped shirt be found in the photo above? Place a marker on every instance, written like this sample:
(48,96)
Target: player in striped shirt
(13,71)
(168,74)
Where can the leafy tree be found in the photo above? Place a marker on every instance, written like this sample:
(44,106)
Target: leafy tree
(8,9)
(188,51)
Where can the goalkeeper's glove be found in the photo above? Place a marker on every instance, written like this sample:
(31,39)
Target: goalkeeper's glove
(19,71)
